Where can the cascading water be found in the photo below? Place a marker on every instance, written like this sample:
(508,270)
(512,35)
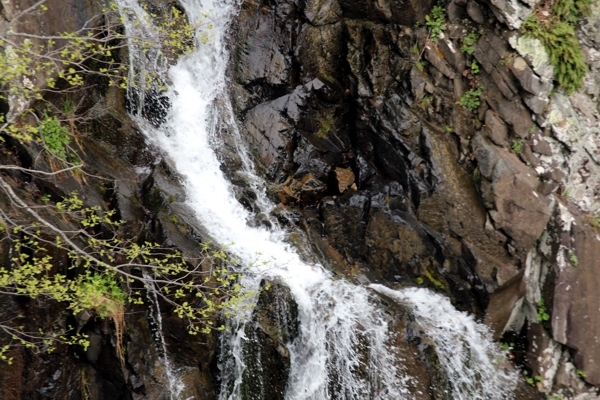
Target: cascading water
(471,361)
(342,331)
(173,382)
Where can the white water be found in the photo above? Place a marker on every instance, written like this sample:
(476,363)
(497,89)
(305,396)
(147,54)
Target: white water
(472,362)
(330,345)
(173,382)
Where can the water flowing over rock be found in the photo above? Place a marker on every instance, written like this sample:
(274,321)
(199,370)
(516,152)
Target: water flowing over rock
(380,222)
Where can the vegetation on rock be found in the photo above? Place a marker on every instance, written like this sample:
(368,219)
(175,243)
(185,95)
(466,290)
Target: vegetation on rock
(436,23)
(470,99)
(554,24)
(468,43)
(71,253)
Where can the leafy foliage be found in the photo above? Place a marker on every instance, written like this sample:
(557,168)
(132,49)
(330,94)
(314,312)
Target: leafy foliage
(542,314)
(470,99)
(553,24)
(77,255)
(101,293)
(110,271)
(54,136)
(468,43)
(573,259)
(532,379)
(33,66)
(517,146)
(436,23)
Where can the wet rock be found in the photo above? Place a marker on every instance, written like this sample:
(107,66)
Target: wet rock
(396,247)
(345,179)
(503,302)
(319,47)
(493,273)
(267,129)
(274,325)
(404,12)
(260,59)
(411,350)
(323,12)
(463,209)
(344,223)
(277,313)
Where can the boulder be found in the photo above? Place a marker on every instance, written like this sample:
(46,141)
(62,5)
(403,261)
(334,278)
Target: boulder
(476,12)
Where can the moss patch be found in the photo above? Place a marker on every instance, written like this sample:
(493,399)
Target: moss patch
(553,23)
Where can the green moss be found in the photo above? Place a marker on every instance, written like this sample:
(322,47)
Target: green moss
(557,34)
(326,124)
(436,282)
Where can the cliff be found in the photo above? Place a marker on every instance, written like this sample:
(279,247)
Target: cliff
(449,160)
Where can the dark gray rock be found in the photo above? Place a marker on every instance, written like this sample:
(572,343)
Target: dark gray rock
(476,12)
(541,145)
(456,11)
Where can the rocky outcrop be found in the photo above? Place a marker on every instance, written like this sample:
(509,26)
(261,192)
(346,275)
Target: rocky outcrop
(353,115)
(124,175)
(454,198)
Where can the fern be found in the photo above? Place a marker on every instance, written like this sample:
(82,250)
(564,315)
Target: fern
(557,34)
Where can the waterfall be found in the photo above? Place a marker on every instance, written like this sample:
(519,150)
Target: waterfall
(174,384)
(342,329)
(465,348)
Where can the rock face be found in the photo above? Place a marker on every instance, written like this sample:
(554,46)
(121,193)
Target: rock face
(353,116)
(274,326)
(397,182)
(574,314)
(114,152)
